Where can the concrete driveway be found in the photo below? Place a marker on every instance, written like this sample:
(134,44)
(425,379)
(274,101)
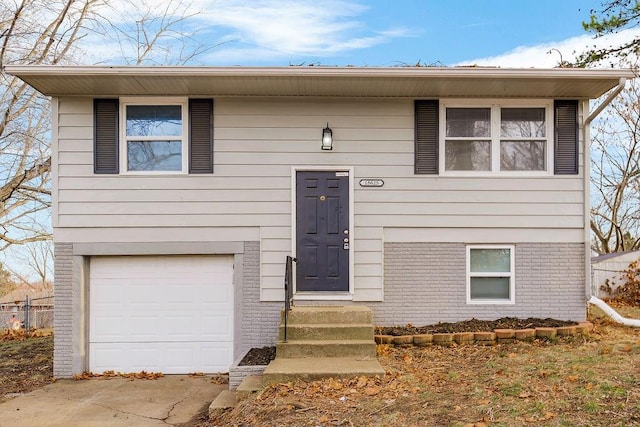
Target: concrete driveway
(171,400)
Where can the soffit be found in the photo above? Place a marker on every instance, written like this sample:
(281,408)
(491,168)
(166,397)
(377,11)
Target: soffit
(319,81)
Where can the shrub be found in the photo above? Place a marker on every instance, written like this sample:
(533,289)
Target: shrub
(629,291)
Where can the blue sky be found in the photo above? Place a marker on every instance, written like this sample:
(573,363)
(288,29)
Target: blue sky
(508,33)
(458,31)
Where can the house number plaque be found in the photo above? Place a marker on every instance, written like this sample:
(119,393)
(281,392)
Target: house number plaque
(371,182)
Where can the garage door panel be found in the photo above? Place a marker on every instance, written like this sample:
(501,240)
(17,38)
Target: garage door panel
(168,358)
(108,329)
(140,293)
(208,328)
(105,294)
(172,314)
(216,328)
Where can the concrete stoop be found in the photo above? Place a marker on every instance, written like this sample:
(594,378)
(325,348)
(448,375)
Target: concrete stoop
(323,342)
(284,370)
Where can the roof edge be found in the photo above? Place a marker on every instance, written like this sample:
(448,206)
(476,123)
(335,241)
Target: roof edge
(381,72)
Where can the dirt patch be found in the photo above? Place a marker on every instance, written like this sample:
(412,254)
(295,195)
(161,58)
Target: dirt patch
(258,356)
(25,365)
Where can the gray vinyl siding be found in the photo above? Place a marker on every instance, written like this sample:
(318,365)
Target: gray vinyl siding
(248,198)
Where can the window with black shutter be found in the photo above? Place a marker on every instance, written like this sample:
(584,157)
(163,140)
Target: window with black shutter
(145,136)
(496,137)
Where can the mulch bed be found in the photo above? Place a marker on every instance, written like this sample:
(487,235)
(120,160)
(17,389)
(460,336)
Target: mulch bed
(258,356)
(473,325)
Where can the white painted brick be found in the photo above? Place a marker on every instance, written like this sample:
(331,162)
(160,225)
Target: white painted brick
(425,283)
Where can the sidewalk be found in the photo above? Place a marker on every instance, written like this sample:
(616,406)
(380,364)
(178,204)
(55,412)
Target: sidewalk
(171,400)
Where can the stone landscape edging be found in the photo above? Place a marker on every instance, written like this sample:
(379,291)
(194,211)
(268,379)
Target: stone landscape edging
(498,336)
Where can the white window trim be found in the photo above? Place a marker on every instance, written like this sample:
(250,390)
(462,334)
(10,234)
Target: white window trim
(184,105)
(511,275)
(495,105)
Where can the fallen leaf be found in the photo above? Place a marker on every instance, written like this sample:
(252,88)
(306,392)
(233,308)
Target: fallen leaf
(335,384)
(371,391)
(362,381)
(548,416)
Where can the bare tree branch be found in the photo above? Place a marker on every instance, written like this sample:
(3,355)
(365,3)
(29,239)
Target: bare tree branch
(615,179)
(49,32)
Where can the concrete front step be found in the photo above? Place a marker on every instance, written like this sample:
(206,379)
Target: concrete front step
(328,314)
(224,401)
(328,331)
(249,385)
(326,348)
(283,370)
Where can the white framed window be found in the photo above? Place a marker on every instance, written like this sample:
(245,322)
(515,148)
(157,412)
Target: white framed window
(153,135)
(487,138)
(490,274)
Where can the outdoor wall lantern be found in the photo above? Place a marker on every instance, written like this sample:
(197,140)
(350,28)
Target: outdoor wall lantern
(327,138)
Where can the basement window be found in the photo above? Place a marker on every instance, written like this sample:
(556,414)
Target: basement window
(490,274)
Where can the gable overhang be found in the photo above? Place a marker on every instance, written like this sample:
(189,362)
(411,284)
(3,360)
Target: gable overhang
(401,82)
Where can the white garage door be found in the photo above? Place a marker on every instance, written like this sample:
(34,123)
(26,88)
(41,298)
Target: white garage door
(170,314)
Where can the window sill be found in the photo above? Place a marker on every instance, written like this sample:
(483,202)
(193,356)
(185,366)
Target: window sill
(490,302)
(154,173)
(517,174)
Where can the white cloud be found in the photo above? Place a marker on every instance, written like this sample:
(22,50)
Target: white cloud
(548,55)
(260,30)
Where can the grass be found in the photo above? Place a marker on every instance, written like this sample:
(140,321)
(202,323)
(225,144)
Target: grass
(578,381)
(25,363)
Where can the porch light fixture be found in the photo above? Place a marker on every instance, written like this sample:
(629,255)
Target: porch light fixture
(327,138)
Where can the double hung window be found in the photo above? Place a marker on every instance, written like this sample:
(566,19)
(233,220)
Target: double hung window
(154,136)
(495,139)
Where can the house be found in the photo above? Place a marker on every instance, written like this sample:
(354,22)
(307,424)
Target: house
(40,298)
(427,194)
(609,268)
(40,306)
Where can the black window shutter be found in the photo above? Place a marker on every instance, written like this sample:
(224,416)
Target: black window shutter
(426,137)
(105,136)
(201,136)
(566,137)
